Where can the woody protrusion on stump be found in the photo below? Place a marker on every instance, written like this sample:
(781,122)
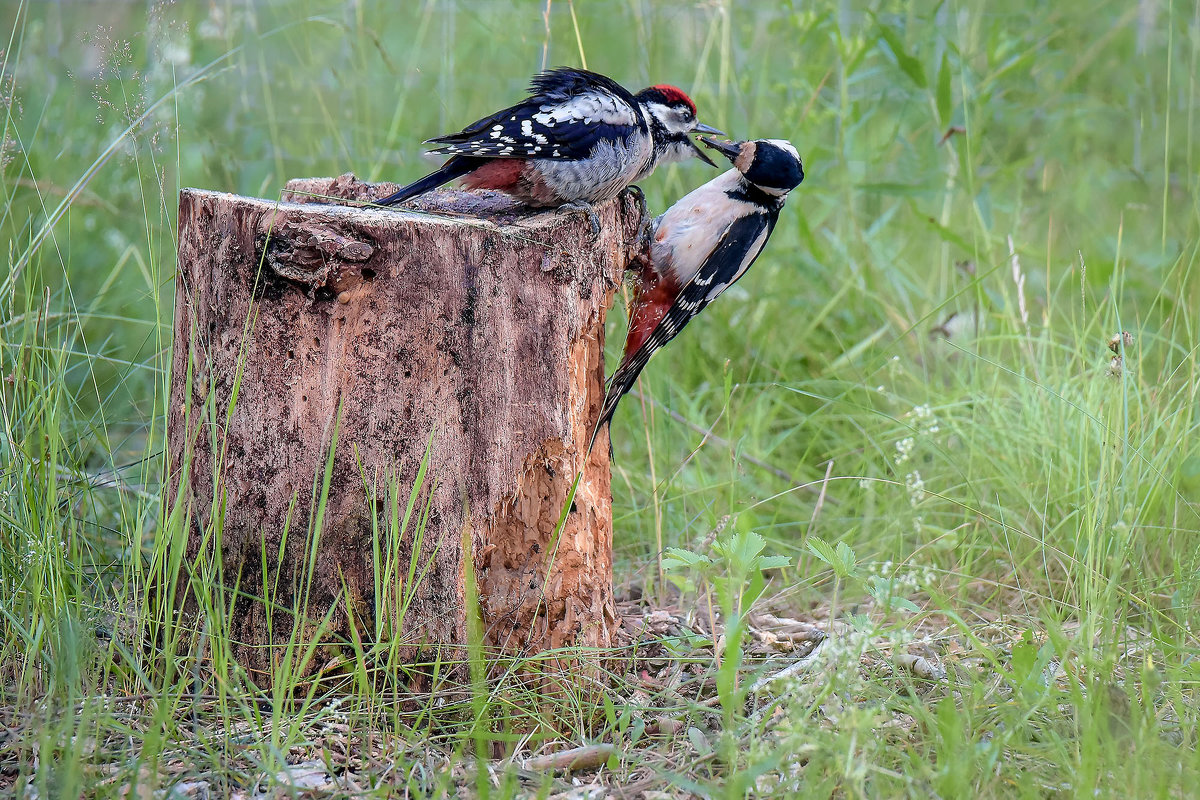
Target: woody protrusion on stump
(477,334)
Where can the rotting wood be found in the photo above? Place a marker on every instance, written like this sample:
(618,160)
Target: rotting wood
(481,326)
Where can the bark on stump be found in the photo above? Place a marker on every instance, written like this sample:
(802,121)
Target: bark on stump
(484,329)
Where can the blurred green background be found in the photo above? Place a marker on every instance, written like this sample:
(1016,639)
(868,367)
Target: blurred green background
(934,135)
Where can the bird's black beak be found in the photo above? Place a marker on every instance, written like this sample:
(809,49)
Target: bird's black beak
(730,150)
(700,154)
(709,129)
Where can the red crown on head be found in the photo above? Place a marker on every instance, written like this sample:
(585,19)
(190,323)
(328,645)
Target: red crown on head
(674,95)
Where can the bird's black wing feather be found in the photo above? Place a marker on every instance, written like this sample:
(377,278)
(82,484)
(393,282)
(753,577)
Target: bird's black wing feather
(563,82)
(735,252)
(730,259)
(568,114)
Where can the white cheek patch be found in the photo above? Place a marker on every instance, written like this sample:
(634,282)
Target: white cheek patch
(668,118)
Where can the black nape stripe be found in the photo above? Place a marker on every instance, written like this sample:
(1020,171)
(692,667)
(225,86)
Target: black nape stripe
(749,193)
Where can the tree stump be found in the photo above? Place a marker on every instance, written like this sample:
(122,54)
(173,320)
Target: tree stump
(476,334)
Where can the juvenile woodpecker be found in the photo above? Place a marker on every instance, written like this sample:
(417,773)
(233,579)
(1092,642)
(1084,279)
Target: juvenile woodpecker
(700,247)
(579,138)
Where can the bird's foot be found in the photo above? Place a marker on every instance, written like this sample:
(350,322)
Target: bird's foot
(642,237)
(639,197)
(586,207)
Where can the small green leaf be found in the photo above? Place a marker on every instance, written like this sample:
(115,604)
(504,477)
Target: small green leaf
(822,550)
(774,562)
(699,741)
(610,711)
(753,588)
(637,728)
(845,557)
(881,588)
(677,557)
(944,96)
(746,545)
(903,604)
(905,60)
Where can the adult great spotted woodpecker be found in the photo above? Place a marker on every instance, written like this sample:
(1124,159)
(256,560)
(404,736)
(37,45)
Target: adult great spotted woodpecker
(700,247)
(578,139)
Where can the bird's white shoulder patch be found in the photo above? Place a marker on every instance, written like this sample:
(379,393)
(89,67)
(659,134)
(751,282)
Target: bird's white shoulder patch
(586,108)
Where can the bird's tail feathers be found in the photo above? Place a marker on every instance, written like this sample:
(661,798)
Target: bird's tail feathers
(618,385)
(454,168)
(611,398)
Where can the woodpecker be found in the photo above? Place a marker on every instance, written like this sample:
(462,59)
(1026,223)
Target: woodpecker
(700,247)
(578,139)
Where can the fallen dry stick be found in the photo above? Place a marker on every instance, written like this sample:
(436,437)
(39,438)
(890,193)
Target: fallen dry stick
(921,667)
(586,757)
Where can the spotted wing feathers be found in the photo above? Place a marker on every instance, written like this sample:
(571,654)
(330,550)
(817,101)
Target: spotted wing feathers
(569,112)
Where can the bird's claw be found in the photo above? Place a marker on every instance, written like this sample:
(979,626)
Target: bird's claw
(585,207)
(639,197)
(642,237)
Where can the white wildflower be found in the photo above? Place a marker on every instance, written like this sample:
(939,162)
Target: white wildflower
(915,487)
(927,423)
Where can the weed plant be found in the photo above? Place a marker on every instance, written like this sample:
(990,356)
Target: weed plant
(905,425)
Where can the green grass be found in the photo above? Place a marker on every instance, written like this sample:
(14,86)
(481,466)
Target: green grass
(917,367)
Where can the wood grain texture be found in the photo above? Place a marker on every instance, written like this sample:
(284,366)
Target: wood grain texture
(482,325)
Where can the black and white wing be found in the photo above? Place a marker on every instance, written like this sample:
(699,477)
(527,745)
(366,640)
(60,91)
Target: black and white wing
(567,114)
(735,251)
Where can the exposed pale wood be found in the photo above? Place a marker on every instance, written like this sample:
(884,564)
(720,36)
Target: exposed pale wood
(486,330)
